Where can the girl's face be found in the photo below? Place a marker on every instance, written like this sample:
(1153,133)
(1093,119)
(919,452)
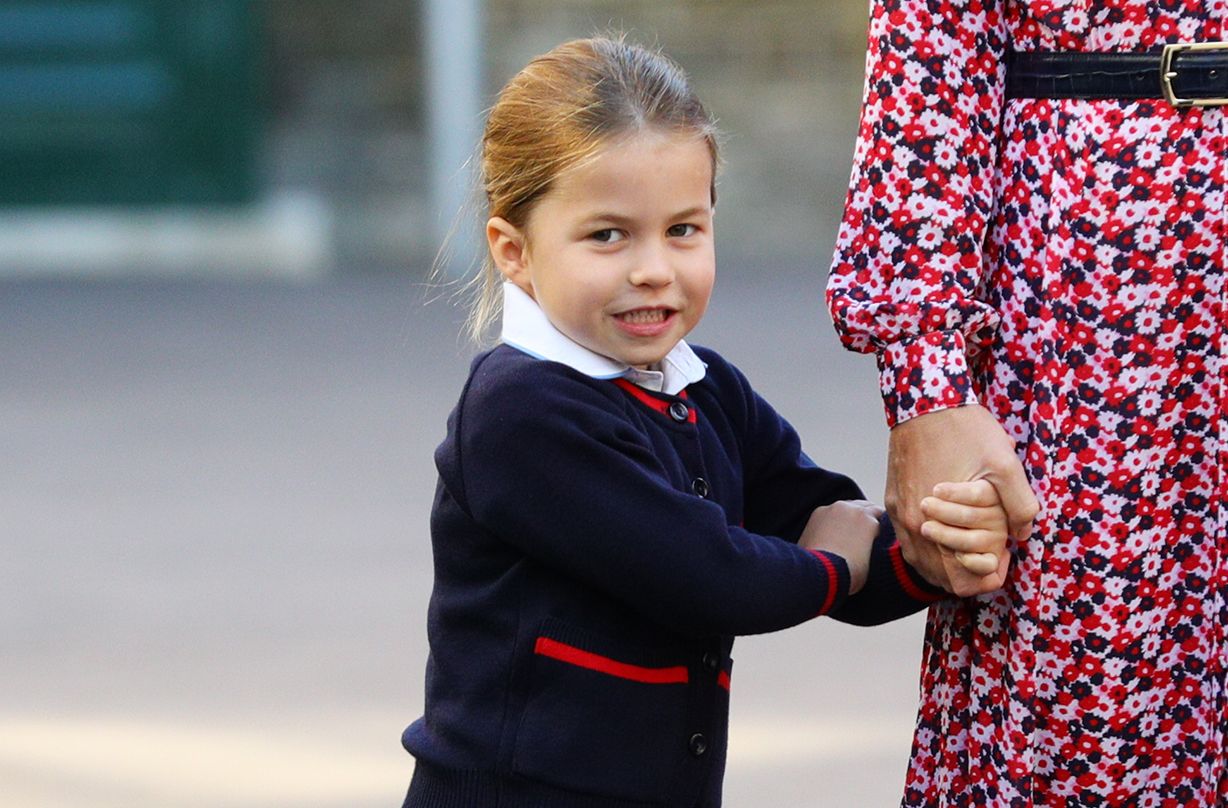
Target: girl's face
(619,253)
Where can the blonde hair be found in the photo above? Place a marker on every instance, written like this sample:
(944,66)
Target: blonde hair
(559,112)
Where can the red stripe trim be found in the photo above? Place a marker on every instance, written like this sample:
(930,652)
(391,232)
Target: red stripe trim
(660,405)
(833,576)
(900,568)
(723,680)
(554,649)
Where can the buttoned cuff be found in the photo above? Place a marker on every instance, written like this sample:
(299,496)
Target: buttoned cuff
(925,373)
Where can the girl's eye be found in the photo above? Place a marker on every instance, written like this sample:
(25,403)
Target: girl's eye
(681,230)
(607,236)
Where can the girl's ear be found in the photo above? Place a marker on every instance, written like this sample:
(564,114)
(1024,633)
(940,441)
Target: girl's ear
(509,251)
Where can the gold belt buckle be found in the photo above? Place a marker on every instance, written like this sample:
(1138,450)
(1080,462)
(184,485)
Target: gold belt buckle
(1167,74)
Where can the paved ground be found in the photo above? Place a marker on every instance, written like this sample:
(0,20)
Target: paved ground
(213,504)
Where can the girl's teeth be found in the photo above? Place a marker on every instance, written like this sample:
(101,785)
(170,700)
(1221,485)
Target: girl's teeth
(652,316)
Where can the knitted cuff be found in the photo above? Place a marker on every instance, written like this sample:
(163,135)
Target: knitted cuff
(837,570)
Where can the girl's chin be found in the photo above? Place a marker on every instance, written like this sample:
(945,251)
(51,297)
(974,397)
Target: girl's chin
(643,360)
(636,351)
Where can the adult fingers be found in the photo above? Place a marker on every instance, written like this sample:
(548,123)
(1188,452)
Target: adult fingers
(922,555)
(1017,499)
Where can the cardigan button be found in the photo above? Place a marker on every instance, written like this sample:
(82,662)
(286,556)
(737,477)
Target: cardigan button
(679,411)
(712,662)
(701,488)
(698,744)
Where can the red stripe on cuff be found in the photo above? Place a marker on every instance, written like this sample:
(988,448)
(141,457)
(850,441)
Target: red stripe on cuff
(900,568)
(833,576)
(584,659)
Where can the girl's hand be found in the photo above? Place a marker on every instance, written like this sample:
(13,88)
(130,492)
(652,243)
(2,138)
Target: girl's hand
(846,528)
(968,520)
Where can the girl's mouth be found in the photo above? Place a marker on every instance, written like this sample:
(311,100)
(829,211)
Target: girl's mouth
(645,322)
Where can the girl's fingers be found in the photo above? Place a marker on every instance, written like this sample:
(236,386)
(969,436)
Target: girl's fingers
(979,493)
(873,508)
(963,540)
(978,563)
(960,515)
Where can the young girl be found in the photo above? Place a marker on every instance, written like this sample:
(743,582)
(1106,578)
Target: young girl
(615,505)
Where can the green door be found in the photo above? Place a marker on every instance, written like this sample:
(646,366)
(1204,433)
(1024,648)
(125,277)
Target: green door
(128,102)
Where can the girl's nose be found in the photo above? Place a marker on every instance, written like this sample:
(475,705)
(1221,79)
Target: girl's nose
(652,268)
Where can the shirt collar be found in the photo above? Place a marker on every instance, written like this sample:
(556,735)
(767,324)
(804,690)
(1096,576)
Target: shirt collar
(526,328)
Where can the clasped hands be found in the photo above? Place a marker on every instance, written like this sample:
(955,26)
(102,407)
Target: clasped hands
(956,492)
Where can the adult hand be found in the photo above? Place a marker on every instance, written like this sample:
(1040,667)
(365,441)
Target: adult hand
(953,445)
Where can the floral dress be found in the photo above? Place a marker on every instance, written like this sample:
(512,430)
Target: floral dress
(1061,262)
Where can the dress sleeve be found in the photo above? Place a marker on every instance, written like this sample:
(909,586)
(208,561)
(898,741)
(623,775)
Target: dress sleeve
(908,264)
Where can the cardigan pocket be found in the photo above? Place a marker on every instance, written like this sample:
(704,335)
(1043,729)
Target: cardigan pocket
(602,717)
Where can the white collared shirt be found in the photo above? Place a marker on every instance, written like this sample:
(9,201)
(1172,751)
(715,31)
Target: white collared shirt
(526,328)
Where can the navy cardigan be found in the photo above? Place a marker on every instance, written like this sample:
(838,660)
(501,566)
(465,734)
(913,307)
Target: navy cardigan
(596,549)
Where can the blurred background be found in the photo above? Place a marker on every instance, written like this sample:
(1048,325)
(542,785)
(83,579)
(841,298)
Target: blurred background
(223,372)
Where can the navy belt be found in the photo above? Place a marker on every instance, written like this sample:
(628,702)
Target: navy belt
(1185,75)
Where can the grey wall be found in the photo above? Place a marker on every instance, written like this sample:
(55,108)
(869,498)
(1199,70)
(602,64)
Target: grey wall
(783,76)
